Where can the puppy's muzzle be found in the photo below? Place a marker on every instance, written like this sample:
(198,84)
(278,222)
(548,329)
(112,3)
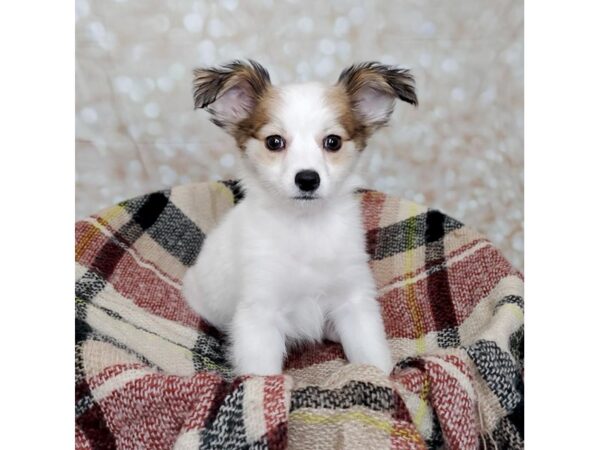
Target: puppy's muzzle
(307,180)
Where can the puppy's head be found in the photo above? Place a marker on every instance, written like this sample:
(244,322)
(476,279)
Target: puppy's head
(301,141)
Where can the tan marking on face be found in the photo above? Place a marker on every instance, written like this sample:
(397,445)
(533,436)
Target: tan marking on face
(348,119)
(258,118)
(264,155)
(343,155)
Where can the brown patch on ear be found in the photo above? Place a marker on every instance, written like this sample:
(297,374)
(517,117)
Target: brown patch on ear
(385,79)
(233,95)
(258,118)
(212,82)
(370,89)
(342,103)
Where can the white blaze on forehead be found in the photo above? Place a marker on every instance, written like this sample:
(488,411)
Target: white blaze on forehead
(304,110)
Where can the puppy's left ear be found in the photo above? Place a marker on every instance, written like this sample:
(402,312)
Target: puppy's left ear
(373,89)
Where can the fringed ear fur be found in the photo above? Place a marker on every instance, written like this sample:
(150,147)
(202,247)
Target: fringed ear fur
(230,92)
(373,89)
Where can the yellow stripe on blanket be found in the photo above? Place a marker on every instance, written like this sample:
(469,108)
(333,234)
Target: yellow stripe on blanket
(106,216)
(110,214)
(313,418)
(423,404)
(224,190)
(416,315)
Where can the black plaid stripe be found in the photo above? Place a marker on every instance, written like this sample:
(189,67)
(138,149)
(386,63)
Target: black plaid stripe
(517,346)
(90,419)
(227,430)
(211,349)
(100,337)
(436,438)
(517,416)
(236,188)
(409,234)
(86,288)
(89,285)
(129,233)
(505,436)
(84,400)
(499,372)
(177,234)
(355,393)
(510,299)
(448,338)
(275,439)
(88,414)
(170,228)
(82,331)
(438,285)
(167,225)
(152,201)
(261,444)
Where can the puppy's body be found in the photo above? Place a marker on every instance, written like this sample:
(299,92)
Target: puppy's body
(289,262)
(267,277)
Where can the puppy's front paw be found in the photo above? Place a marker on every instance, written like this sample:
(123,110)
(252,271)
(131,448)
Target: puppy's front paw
(250,360)
(386,365)
(257,348)
(377,354)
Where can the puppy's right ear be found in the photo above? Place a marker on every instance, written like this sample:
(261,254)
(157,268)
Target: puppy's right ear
(230,92)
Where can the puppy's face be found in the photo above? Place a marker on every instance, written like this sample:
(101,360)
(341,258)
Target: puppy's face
(302,141)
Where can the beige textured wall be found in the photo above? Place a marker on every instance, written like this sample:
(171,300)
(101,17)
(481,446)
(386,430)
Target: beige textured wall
(460,151)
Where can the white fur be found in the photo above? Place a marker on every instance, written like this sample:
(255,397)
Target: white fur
(278,269)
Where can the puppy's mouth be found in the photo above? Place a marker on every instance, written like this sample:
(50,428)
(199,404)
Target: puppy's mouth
(306,197)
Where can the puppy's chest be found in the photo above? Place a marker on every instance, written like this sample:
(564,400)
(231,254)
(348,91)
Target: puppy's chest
(315,243)
(309,258)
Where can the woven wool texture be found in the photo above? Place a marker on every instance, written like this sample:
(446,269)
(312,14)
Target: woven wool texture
(152,374)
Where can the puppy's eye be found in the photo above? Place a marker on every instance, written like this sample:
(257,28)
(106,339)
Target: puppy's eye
(275,143)
(332,143)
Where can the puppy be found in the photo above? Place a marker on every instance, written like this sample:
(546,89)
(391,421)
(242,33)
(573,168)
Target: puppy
(289,262)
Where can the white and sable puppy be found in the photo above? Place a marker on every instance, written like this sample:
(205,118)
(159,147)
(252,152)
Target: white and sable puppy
(289,263)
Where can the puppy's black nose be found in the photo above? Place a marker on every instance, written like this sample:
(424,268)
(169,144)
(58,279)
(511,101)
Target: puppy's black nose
(307,180)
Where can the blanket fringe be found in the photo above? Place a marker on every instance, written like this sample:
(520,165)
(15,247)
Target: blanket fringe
(485,434)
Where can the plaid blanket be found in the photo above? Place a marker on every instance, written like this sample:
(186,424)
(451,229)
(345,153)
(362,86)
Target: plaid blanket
(151,374)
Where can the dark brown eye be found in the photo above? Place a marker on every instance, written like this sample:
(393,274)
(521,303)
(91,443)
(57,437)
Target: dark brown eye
(332,143)
(275,143)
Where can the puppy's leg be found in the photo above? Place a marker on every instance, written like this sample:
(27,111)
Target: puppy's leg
(360,327)
(258,346)
(330,333)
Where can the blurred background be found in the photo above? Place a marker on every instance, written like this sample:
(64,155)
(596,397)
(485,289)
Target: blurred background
(460,151)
